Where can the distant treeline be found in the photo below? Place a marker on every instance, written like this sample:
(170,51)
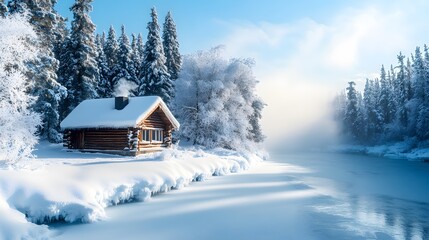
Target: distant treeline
(393,107)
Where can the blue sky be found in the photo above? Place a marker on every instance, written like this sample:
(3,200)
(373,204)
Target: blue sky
(305,51)
(200,23)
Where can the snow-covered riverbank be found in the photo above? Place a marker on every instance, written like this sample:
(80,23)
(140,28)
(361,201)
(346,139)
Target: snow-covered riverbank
(77,187)
(291,196)
(400,150)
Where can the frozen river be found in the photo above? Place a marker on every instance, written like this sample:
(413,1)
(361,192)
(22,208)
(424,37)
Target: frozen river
(292,196)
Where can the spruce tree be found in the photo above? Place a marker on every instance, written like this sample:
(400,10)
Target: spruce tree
(385,98)
(125,63)
(420,100)
(3,9)
(135,55)
(154,77)
(401,94)
(84,53)
(65,76)
(353,115)
(171,47)
(103,88)
(43,70)
(111,49)
(140,47)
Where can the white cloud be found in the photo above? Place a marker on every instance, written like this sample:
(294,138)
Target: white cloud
(302,64)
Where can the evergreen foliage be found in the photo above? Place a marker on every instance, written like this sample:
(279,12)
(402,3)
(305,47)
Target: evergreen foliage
(394,107)
(85,74)
(3,9)
(111,50)
(125,64)
(171,47)
(103,88)
(154,77)
(135,55)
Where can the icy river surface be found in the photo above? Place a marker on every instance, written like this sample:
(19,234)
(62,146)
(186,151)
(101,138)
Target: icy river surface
(290,196)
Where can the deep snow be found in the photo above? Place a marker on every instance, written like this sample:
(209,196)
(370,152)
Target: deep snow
(77,187)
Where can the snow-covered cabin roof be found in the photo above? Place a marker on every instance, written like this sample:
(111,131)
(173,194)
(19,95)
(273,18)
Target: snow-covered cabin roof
(101,113)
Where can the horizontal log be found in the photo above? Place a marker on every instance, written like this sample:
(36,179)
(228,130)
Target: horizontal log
(106,143)
(106,134)
(100,139)
(103,147)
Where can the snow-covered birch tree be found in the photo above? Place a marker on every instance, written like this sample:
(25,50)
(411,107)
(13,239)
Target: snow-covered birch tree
(43,70)
(18,123)
(216,101)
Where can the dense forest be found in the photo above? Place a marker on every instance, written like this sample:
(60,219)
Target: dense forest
(71,64)
(393,107)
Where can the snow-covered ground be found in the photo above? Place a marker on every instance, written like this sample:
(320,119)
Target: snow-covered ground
(77,187)
(291,196)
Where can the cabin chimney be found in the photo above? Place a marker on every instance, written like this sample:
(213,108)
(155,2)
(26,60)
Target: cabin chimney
(121,102)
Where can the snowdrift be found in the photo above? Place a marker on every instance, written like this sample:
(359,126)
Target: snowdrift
(79,189)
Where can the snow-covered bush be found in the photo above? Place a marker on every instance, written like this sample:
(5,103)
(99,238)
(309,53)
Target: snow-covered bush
(18,124)
(216,101)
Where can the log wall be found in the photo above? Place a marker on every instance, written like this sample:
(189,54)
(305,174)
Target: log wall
(121,139)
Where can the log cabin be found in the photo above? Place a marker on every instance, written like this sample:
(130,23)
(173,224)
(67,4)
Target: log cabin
(120,125)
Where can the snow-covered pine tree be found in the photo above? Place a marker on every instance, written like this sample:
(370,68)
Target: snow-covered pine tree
(340,104)
(65,76)
(420,98)
(85,74)
(372,110)
(111,49)
(60,34)
(103,87)
(140,47)
(255,131)
(171,47)
(125,63)
(386,108)
(3,9)
(401,94)
(135,55)
(43,69)
(353,115)
(18,123)
(154,77)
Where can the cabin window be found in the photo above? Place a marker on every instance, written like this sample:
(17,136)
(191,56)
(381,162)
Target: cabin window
(157,135)
(152,135)
(146,136)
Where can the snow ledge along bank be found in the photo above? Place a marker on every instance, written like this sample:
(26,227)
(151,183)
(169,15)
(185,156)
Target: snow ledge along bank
(79,189)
